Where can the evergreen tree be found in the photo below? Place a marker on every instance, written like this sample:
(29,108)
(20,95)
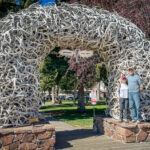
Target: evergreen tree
(7,6)
(52,70)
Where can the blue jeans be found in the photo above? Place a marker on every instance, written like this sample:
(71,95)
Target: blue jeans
(123,106)
(134,102)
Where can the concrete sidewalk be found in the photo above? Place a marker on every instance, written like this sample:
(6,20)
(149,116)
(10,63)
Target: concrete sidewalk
(73,138)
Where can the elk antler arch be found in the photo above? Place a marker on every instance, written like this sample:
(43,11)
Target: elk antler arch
(28,36)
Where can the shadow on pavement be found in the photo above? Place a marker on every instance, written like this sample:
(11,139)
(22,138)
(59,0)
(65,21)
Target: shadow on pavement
(63,137)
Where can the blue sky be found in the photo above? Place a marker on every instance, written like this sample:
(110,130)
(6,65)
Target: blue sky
(42,2)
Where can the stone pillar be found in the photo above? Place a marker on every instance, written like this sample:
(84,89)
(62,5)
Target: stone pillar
(125,132)
(36,137)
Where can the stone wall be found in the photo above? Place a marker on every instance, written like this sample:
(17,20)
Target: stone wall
(36,137)
(125,132)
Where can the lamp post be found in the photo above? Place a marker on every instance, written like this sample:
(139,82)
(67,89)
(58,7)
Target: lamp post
(93,103)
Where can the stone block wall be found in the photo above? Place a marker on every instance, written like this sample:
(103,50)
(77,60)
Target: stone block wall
(36,137)
(125,132)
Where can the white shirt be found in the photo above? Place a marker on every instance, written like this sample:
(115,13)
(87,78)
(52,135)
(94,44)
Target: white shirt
(122,90)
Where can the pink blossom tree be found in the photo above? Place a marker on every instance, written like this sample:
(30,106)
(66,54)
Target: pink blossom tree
(137,11)
(85,73)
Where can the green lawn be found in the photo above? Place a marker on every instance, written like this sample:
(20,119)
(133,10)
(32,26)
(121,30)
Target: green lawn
(68,113)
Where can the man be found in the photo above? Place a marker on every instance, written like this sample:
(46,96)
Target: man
(135,86)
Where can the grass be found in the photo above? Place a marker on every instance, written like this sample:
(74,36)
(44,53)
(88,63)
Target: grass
(68,113)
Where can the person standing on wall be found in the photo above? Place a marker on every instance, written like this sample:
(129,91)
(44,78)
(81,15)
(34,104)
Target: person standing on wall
(134,86)
(122,91)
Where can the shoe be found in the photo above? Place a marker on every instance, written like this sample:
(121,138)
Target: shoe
(138,122)
(120,120)
(126,121)
(132,121)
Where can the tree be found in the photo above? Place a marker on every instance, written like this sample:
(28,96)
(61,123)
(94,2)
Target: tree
(47,80)
(137,11)
(101,73)
(45,75)
(52,70)
(7,6)
(85,73)
(69,83)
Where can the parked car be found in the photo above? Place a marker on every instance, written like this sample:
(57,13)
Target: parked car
(62,97)
(69,97)
(85,96)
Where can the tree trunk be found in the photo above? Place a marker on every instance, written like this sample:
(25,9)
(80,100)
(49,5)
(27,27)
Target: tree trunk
(53,95)
(49,92)
(56,95)
(74,98)
(74,93)
(57,100)
(81,102)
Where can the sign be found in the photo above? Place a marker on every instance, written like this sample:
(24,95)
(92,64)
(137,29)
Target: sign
(93,97)
(33,120)
(66,53)
(93,102)
(70,53)
(86,54)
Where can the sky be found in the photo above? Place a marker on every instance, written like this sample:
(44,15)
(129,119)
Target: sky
(42,2)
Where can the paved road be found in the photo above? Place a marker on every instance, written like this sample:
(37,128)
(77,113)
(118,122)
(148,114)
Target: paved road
(73,138)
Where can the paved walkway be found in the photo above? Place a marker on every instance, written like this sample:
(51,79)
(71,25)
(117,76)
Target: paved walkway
(73,138)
